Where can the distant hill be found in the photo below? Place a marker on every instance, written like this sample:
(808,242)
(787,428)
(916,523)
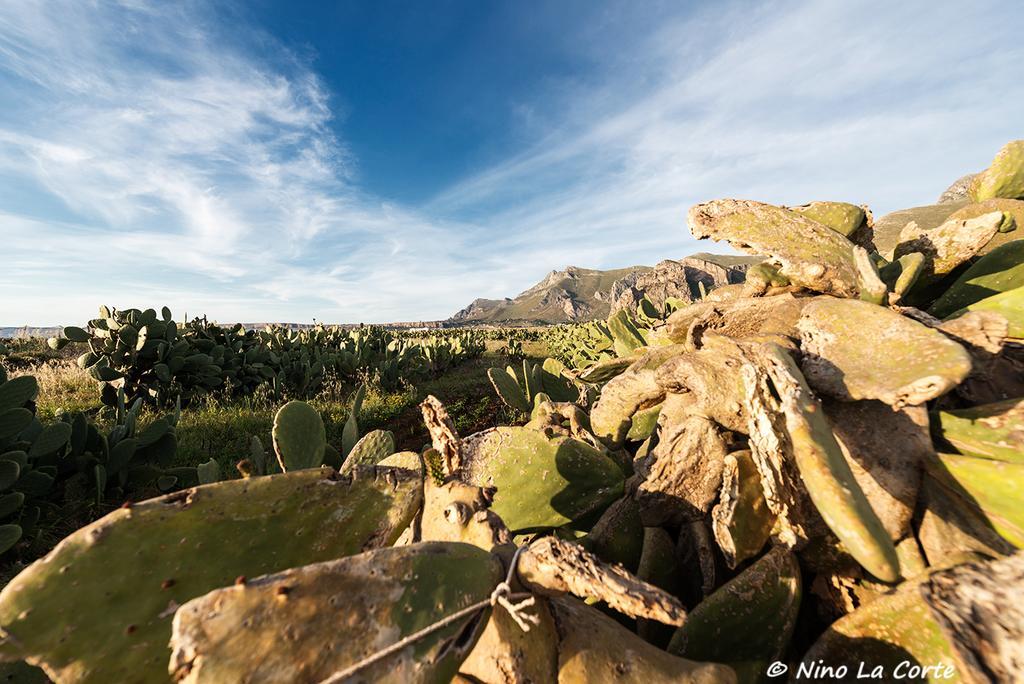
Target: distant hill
(583,294)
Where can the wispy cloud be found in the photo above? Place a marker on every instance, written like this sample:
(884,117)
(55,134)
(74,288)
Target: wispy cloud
(152,157)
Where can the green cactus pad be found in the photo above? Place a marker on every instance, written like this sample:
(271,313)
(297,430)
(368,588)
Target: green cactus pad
(13,421)
(994,431)
(855,350)
(890,630)
(643,423)
(508,390)
(809,253)
(371,449)
(554,382)
(299,436)
(998,489)
(16,392)
(1004,177)
(1009,304)
(1000,270)
(846,219)
(542,482)
(208,472)
(595,648)
(9,536)
(952,524)
(52,439)
(618,535)
(603,371)
(116,583)
(750,619)
(627,339)
(320,619)
(350,433)
(901,275)
(409,460)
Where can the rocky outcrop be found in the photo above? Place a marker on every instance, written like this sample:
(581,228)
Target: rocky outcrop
(478,309)
(674,279)
(957,192)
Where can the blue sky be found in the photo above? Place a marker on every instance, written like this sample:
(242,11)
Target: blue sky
(384,160)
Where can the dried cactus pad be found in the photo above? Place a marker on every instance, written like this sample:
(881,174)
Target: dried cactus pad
(308,623)
(1005,177)
(741,519)
(628,393)
(116,583)
(855,350)
(542,481)
(978,607)
(810,253)
(595,648)
(952,243)
(993,431)
(823,470)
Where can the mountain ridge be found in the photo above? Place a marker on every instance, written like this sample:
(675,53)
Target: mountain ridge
(578,294)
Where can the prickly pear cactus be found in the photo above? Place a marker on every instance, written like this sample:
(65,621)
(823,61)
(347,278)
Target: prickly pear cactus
(372,448)
(1009,305)
(855,350)
(508,390)
(810,254)
(788,426)
(886,632)
(741,520)
(1000,270)
(997,487)
(116,583)
(948,246)
(299,436)
(333,614)
(849,220)
(747,622)
(994,431)
(541,481)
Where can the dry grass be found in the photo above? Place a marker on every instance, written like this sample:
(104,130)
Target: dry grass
(62,386)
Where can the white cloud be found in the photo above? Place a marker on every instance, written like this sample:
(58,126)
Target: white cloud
(171,165)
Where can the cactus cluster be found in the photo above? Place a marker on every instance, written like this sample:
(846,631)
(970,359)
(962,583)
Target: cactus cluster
(823,465)
(40,463)
(161,361)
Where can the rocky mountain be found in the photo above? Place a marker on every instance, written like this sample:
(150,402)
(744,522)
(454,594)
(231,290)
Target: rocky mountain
(582,294)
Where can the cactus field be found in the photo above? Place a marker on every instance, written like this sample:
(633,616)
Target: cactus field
(819,467)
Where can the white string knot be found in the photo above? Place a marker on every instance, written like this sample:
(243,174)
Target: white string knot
(502,596)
